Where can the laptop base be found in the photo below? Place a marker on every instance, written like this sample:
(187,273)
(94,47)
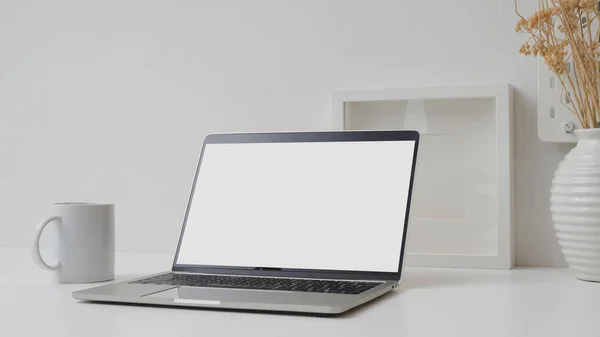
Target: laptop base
(219,298)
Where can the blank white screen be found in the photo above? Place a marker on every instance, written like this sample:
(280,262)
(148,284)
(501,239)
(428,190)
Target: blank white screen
(327,205)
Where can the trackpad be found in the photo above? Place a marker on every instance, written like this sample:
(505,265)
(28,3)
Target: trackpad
(179,296)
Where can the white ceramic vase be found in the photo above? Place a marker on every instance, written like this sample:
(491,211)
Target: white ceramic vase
(575,205)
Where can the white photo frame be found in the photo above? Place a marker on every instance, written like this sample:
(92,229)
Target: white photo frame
(463,202)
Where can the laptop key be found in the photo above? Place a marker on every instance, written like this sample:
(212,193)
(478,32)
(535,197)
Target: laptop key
(260,283)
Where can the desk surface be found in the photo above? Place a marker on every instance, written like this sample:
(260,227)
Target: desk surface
(430,302)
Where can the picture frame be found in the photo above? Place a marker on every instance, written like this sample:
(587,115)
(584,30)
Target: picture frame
(462,214)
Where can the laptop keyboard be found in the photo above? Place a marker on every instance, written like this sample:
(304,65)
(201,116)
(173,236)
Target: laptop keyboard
(260,283)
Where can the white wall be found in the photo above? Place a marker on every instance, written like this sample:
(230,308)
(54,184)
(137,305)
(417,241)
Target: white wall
(110,100)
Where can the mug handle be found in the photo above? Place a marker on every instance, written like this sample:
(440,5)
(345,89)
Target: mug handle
(37,256)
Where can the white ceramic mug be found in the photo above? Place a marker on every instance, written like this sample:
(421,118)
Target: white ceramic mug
(84,242)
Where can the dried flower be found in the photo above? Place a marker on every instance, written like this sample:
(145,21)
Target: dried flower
(588,4)
(566,34)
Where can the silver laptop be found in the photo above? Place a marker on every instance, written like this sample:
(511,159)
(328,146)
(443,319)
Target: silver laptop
(310,222)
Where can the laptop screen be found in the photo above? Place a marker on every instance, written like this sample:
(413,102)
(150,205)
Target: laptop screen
(307,205)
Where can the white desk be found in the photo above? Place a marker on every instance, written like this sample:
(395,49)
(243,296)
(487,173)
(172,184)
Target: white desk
(431,302)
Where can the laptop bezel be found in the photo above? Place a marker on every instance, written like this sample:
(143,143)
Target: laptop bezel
(323,136)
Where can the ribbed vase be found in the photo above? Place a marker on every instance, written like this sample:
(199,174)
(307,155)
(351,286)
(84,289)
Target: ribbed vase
(575,205)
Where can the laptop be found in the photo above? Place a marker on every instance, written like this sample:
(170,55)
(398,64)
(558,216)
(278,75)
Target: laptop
(311,222)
